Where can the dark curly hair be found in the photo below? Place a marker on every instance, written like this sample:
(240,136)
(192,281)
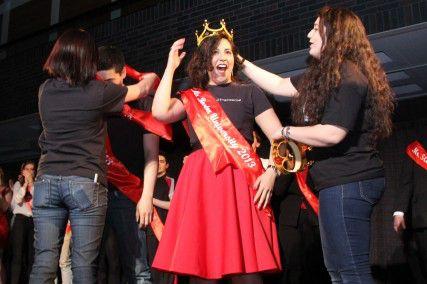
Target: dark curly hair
(201,61)
(344,38)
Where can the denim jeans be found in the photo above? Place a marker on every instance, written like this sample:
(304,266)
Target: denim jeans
(344,220)
(131,239)
(57,199)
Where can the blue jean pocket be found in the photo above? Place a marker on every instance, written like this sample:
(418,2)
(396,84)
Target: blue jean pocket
(371,190)
(41,195)
(88,194)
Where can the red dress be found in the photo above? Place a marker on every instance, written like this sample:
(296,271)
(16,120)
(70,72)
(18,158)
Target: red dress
(213,227)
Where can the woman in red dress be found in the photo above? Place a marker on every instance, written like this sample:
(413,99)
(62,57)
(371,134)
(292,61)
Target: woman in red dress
(219,224)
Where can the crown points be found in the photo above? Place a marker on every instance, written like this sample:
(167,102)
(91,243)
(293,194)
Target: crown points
(209,32)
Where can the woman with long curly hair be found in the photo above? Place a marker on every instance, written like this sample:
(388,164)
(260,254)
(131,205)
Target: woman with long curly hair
(219,225)
(342,106)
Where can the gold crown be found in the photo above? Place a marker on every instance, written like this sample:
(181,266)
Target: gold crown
(208,32)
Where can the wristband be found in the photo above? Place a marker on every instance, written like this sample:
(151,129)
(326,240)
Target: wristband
(276,171)
(286,132)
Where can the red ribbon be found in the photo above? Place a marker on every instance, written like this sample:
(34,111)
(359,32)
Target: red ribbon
(221,141)
(128,184)
(132,73)
(306,191)
(417,153)
(146,120)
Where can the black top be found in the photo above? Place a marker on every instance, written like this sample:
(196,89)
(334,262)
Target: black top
(126,139)
(242,103)
(72,140)
(161,192)
(354,158)
(411,195)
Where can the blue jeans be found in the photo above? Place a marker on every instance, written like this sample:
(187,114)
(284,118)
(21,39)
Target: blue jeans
(132,241)
(345,220)
(57,199)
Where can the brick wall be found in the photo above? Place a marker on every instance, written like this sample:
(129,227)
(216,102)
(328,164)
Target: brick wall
(146,29)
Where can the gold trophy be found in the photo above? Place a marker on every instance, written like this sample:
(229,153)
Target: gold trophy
(290,156)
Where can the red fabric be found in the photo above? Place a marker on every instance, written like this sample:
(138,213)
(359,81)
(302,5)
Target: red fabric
(221,140)
(213,227)
(306,191)
(132,73)
(4,230)
(417,153)
(68,228)
(128,184)
(147,121)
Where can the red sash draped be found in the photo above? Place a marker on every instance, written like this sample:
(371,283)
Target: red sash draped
(146,120)
(417,153)
(132,73)
(221,141)
(306,191)
(128,184)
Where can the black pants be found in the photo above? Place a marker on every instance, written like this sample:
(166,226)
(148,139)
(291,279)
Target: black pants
(109,261)
(301,252)
(159,277)
(420,236)
(22,244)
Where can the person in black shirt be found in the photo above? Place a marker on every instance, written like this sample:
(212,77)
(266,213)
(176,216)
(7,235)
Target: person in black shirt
(163,193)
(218,226)
(137,149)
(341,106)
(71,176)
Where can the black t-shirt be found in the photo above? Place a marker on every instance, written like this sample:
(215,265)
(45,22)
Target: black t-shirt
(354,158)
(161,192)
(242,103)
(126,139)
(72,140)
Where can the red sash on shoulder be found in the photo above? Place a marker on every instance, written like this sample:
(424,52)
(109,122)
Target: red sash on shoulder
(221,141)
(417,153)
(128,184)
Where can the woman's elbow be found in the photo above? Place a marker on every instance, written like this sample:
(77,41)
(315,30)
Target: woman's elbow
(335,138)
(158,113)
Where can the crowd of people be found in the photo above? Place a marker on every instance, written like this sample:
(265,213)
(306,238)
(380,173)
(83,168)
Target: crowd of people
(100,207)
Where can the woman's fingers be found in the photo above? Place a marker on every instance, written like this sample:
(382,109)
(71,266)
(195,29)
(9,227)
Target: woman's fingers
(267,199)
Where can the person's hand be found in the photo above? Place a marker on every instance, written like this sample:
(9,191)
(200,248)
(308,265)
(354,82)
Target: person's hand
(144,211)
(150,81)
(399,223)
(29,178)
(175,54)
(264,186)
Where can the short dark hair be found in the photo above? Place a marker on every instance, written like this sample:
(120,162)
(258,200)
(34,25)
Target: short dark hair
(74,58)
(111,57)
(163,153)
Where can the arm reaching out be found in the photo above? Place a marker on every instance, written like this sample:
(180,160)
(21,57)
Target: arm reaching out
(268,81)
(164,108)
(142,88)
